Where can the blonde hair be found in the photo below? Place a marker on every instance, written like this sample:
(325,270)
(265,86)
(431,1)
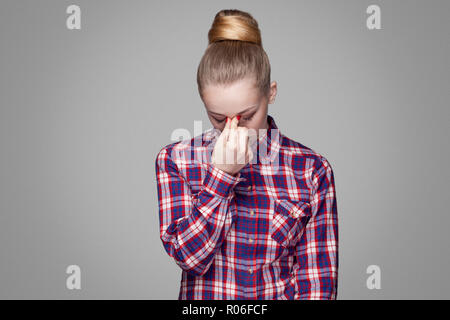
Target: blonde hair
(234,52)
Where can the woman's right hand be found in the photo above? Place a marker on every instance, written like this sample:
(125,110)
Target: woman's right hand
(231,152)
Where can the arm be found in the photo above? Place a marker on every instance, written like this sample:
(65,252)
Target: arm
(317,252)
(192,228)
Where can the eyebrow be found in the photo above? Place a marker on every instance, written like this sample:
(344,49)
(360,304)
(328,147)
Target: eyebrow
(238,113)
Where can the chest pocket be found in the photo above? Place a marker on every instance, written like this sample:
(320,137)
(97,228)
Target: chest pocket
(289,221)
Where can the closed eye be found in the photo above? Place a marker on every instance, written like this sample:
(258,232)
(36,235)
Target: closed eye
(244,118)
(219,120)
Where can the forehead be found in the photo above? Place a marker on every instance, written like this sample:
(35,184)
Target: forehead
(232,98)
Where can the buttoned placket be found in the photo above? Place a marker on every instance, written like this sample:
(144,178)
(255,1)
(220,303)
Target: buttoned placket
(251,235)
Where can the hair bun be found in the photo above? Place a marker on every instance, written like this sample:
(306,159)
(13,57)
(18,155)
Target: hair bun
(234,25)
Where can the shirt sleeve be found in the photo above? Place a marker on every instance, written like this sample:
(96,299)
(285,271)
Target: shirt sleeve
(317,251)
(192,228)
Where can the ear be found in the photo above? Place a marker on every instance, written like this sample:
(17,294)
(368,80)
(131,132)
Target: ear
(273,92)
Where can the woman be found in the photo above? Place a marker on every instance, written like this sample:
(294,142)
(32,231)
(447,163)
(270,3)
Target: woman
(264,225)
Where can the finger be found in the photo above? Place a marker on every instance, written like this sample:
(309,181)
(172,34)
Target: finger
(243,138)
(233,126)
(226,131)
(232,138)
(236,138)
(248,150)
(234,122)
(246,146)
(243,144)
(228,123)
(236,144)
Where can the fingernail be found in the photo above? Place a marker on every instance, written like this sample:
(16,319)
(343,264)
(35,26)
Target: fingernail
(238,117)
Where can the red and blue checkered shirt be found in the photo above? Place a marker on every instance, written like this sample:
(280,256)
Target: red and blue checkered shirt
(271,232)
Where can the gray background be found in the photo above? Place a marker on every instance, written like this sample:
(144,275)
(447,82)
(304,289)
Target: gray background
(84,113)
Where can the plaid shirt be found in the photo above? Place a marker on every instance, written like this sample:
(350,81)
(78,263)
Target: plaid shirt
(271,232)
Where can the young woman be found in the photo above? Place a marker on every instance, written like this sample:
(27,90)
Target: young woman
(264,225)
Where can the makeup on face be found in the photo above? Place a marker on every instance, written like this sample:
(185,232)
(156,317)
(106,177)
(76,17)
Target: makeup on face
(220,118)
(230,119)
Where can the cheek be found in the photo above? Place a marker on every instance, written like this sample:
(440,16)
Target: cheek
(216,125)
(257,121)
(253,124)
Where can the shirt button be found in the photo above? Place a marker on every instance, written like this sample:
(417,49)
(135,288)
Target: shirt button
(249,188)
(250,240)
(252,212)
(250,270)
